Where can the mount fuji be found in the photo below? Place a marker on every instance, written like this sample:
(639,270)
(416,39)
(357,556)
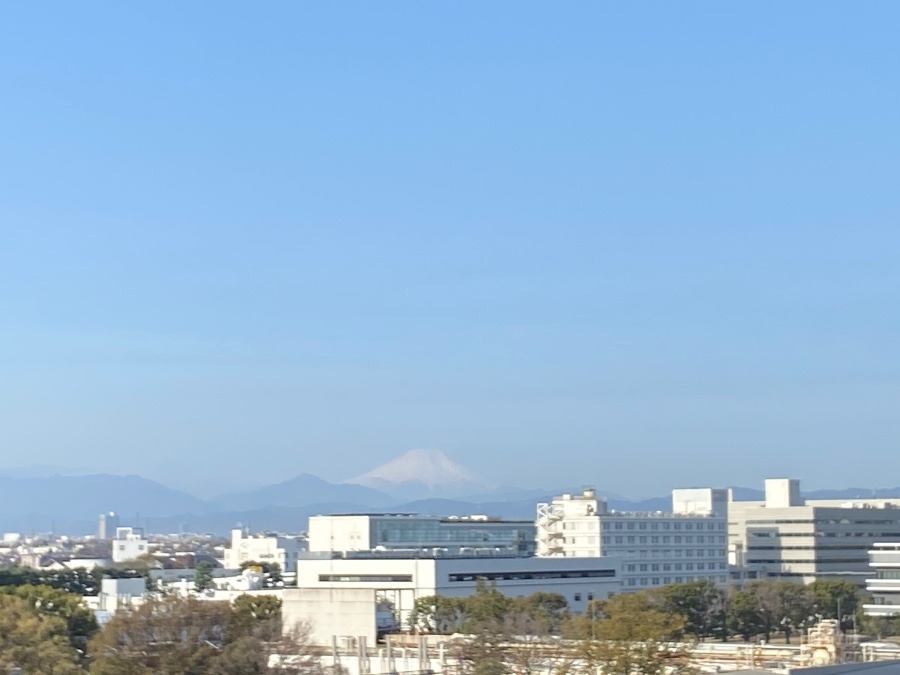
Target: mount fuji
(419,474)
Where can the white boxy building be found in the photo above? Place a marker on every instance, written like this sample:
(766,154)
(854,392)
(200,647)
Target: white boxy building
(263,548)
(399,581)
(129,544)
(884,585)
(656,548)
(412,532)
(789,537)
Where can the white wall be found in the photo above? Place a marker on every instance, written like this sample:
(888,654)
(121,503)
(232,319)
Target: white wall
(339,533)
(330,611)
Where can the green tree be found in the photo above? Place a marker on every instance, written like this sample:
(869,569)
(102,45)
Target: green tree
(485,614)
(545,610)
(35,642)
(80,621)
(173,635)
(742,614)
(631,633)
(187,636)
(203,576)
(783,606)
(835,599)
(700,603)
(248,611)
(436,614)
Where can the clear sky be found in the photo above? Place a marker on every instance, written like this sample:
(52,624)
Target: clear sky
(638,245)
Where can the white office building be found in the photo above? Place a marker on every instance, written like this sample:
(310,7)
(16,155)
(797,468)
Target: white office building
(884,585)
(789,537)
(283,550)
(129,544)
(411,532)
(656,548)
(398,581)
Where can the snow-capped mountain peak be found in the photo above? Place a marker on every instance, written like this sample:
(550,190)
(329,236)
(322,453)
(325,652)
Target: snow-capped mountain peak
(421,472)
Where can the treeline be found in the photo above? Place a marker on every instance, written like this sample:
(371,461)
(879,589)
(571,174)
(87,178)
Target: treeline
(760,609)
(79,581)
(47,631)
(646,632)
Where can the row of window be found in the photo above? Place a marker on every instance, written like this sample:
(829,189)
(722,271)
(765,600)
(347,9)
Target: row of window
(367,578)
(665,539)
(820,547)
(778,561)
(659,581)
(518,576)
(778,535)
(677,553)
(665,567)
(665,525)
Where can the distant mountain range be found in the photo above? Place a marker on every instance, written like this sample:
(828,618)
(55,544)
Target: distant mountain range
(421,481)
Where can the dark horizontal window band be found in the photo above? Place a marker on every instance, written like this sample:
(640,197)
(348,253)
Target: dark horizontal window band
(363,578)
(524,576)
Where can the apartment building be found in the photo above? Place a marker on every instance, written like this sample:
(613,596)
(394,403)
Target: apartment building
(656,548)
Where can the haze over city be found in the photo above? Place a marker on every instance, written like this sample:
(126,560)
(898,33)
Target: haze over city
(641,246)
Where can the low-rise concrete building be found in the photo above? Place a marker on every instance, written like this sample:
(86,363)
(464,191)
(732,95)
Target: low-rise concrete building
(399,581)
(129,544)
(280,549)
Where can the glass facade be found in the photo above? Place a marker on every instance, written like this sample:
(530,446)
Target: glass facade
(438,533)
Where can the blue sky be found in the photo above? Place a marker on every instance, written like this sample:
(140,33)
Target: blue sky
(637,245)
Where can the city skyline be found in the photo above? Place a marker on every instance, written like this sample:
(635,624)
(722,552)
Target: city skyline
(653,244)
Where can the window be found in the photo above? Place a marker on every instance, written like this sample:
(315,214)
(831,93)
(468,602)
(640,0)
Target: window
(376,578)
(519,576)
(577,597)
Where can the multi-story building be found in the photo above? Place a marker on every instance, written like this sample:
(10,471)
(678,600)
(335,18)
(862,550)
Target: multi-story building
(789,537)
(129,544)
(426,534)
(107,524)
(884,587)
(656,548)
(283,550)
(398,580)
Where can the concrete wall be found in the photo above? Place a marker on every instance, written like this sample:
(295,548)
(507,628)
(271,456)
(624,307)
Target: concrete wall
(329,612)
